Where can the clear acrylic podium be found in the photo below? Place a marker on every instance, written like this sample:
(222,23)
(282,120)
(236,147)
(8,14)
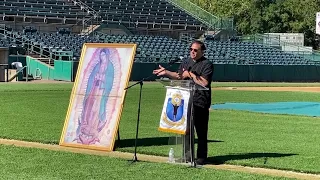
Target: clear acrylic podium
(188,149)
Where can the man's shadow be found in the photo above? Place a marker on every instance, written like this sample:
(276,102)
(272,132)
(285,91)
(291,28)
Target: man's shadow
(152,141)
(216,160)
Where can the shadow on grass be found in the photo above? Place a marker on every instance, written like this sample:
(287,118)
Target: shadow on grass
(154,141)
(216,160)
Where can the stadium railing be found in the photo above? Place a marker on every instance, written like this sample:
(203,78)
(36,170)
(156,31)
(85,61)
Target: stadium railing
(213,22)
(274,41)
(34,47)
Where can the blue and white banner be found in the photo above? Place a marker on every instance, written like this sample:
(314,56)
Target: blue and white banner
(175,111)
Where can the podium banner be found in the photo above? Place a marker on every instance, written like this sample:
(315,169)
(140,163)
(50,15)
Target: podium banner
(175,111)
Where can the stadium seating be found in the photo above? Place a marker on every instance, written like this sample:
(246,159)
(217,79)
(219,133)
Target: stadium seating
(164,49)
(41,9)
(133,13)
(137,13)
(149,49)
(250,53)
(142,12)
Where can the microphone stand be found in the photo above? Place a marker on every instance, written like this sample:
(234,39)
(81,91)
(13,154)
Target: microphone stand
(135,159)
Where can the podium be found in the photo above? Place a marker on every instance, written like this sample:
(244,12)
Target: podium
(177,114)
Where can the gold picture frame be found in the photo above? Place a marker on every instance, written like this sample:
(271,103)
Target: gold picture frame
(97,97)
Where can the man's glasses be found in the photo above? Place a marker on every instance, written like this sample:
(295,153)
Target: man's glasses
(195,50)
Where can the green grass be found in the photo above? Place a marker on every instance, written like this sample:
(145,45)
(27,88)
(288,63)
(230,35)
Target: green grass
(36,112)
(30,163)
(221,96)
(5,87)
(263,84)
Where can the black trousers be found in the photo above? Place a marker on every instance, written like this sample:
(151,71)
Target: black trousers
(201,120)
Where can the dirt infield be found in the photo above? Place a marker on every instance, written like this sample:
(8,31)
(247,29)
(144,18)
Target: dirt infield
(297,89)
(149,158)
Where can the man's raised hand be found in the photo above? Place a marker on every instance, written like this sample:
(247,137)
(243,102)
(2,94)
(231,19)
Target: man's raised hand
(160,72)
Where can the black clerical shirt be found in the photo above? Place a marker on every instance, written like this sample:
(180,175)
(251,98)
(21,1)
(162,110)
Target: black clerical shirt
(201,67)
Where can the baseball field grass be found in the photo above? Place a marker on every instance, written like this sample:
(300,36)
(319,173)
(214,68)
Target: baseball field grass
(31,163)
(36,112)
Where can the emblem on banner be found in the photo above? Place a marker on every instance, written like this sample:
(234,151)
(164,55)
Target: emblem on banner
(173,115)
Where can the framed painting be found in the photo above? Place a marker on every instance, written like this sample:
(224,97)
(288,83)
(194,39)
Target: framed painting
(97,96)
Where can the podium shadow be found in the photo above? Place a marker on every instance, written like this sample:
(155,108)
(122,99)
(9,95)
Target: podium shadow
(209,141)
(152,141)
(216,160)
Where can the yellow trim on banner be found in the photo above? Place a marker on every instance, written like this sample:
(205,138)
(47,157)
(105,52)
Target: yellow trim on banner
(165,119)
(172,131)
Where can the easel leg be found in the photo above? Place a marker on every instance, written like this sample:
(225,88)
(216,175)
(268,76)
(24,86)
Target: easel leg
(118,135)
(117,143)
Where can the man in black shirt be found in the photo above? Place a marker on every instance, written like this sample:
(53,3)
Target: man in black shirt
(200,70)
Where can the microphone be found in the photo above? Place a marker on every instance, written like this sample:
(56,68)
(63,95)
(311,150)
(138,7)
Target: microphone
(176,59)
